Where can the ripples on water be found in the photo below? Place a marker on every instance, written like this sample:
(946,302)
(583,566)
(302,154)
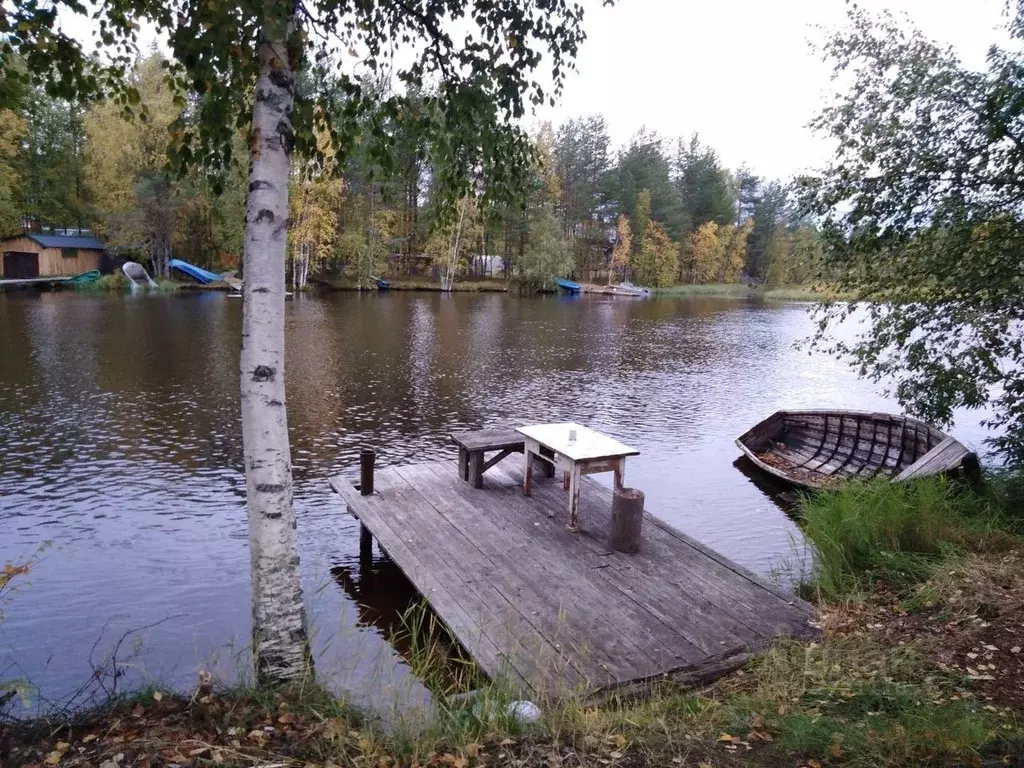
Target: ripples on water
(121,445)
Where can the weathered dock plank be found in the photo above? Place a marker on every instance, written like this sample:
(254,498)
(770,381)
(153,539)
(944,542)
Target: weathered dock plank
(554,611)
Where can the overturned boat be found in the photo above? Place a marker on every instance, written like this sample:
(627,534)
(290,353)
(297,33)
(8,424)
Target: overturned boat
(815,448)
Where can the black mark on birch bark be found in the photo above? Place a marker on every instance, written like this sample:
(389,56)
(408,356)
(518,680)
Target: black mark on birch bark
(281,78)
(284,130)
(270,488)
(261,290)
(265,215)
(263,373)
(259,184)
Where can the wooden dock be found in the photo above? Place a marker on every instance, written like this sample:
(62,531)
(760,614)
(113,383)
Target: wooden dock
(556,612)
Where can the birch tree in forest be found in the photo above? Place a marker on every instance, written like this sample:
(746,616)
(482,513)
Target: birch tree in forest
(658,260)
(12,128)
(734,250)
(237,62)
(706,253)
(315,204)
(623,247)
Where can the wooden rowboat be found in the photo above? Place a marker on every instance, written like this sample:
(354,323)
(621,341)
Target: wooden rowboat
(815,448)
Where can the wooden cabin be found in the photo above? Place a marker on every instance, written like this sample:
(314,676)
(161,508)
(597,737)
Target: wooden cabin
(34,255)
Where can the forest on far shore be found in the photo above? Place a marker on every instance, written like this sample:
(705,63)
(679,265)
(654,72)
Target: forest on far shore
(656,211)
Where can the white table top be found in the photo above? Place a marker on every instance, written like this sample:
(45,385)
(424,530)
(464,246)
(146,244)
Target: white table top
(589,443)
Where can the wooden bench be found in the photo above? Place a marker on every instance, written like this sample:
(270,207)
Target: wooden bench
(473,445)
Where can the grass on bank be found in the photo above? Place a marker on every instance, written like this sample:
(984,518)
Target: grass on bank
(416,284)
(740,291)
(117,281)
(921,591)
(871,532)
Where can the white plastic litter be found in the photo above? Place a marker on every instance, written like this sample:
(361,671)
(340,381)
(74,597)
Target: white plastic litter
(524,711)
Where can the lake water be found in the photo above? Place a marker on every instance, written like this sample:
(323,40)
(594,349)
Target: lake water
(120,444)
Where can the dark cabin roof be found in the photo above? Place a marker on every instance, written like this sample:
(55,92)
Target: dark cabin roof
(67,241)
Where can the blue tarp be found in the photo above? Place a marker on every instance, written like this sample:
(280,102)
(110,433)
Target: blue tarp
(196,273)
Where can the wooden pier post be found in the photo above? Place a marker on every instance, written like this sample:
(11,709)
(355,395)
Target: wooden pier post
(627,516)
(367,458)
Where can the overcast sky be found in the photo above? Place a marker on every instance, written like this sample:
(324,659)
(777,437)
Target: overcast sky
(739,72)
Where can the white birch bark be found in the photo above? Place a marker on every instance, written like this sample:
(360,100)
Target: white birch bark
(279,633)
(449,278)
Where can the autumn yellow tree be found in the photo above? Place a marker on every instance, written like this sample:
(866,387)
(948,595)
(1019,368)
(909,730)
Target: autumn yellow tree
(314,203)
(706,253)
(659,259)
(734,250)
(778,257)
(623,248)
(124,166)
(12,128)
(453,245)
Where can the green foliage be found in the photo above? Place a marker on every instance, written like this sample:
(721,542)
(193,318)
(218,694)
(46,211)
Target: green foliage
(869,531)
(51,164)
(643,166)
(706,188)
(547,253)
(582,163)
(769,210)
(468,119)
(921,205)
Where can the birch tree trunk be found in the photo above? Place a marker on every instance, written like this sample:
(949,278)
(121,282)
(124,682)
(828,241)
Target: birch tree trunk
(448,279)
(280,645)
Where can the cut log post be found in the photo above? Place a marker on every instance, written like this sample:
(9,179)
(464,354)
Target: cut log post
(627,517)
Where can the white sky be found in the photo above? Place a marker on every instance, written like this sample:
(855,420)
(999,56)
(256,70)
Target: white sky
(739,72)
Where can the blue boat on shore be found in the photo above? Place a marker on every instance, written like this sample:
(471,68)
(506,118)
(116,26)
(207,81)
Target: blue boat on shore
(198,274)
(573,289)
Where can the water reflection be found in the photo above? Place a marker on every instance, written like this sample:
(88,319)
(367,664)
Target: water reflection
(120,443)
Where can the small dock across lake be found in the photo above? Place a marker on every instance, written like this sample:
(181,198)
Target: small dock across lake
(554,611)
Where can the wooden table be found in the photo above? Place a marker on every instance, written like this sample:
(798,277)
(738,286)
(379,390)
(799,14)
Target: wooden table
(577,451)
